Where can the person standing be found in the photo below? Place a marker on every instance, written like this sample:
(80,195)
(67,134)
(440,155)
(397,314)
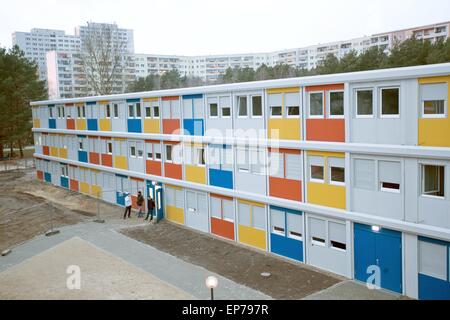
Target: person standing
(127,206)
(151,207)
(140,203)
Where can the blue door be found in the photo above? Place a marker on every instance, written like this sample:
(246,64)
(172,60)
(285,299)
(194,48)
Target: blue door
(154,190)
(121,189)
(48,177)
(382,249)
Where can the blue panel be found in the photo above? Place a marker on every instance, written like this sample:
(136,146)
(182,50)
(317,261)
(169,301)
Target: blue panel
(120,198)
(286,210)
(48,177)
(81,136)
(52,123)
(157,212)
(433,289)
(192,96)
(382,249)
(221,178)
(83,156)
(92,124)
(193,127)
(286,247)
(121,176)
(134,125)
(90,103)
(65,182)
(133,100)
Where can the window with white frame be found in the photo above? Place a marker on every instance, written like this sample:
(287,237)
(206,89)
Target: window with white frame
(222,208)
(257,160)
(434,99)
(316,169)
(286,165)
(433,180)
(151,110)
(364,103)
(337,236)
(81,144)
(317,231)
(278,222)
(64,170)
(336,170)
(242,106)
(316,104)
(433,259)
(174,197)
(276,105)
(225,106)
(108,111)
(364,174)
(336,103)
(294,226)
(328,233)
(134,110)
(116,110)
(389,176)
(50,112)
(257,110)
(213,107)
(168,155)
(171,109)
(81,112)
(153,151)
(390,102)
(292,102)
(136,149)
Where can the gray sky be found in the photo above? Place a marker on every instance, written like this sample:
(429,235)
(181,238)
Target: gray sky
(197,27)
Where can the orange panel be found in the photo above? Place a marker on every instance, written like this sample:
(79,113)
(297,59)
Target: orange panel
(73,185)
(221,196)
(170,98)
(222,228)
(153,167)
(331,130)
(134,203)
(106,160)
(171,126)
(40,175)
(46,150)
(94,158)
(105,138)
(285,188)
(173,171)
(290,151)
(70,124)
(326,87)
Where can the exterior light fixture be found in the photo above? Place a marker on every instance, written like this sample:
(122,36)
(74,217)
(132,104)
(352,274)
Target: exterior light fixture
(376,228)
(212,283)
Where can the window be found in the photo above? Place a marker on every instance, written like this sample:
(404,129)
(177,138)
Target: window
(277,219)
(134,110)
(275,103)
(148,111)
(108,111)
(116,110)
(256,106)
(131,111)
(293,166)
(243,162)
(432,260)
(169,153)
(155,111)
(433,180)
(336,170)
(336,104)
(390,102)
(316,104)
(337,236)
(316,173)
(225,107)
(389,176)
(222,208)
(317,229)
(364,103)
(140,150)
(294,226)
(50,112)
(434,100)
(292,101)
(364,174)
(109,147)
(64,170)
(133,150)
(213,108)
(259,217)
(242,106)
(244,214)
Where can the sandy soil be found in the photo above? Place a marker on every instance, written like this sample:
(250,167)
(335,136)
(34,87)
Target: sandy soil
(235,262)
(25,211)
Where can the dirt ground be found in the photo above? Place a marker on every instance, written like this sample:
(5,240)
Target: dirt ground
(235,262)
(25,211)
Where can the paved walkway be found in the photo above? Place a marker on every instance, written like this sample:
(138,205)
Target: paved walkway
(162,269)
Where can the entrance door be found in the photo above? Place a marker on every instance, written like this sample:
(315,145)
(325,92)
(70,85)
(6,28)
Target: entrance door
(121,188)
(382,249)
(155,190)
(197,211)
(109,187)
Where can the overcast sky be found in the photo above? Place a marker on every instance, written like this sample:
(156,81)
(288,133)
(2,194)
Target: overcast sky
(200,27)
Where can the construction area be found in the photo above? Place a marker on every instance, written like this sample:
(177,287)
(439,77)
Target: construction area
(135,259)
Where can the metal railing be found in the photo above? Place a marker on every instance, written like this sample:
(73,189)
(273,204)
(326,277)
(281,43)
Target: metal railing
(18,164)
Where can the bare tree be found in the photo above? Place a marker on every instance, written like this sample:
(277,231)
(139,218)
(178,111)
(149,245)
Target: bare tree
(104,58)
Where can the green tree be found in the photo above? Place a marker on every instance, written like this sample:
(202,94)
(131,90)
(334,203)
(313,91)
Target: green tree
(329,65)
(411,52)
(171,80)
(149,83)
(371,59)
(19,85)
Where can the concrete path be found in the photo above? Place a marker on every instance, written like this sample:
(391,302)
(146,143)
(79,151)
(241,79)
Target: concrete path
(169,270)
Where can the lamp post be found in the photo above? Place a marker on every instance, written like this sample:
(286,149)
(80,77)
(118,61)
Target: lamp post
(212,283)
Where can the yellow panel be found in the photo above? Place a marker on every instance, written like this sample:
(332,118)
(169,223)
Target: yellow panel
(54,152)
(36,123)
(174,187)
(96,191)
(79,104)
(81,124)
(253,237)
(196,174)
(175,214)
(150,99)
(251,203)
(434,132)
(63,153)
(283,90)
(103,102)
(119,139)
(151,126)
(326,195)
(120,162)
(104,124)
(84,188)
(326,154)
(284,129)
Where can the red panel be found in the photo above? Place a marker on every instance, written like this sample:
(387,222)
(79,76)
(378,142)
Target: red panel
(134,203)
(46,150)
(73,185)
(326,87)
(170,98)
(171,126)
(173,171)
(94,158)
(153,167)
(107,160)
(40,175)
(280,150)
(71,124)
(222,228)
(285,188)
(331,130)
